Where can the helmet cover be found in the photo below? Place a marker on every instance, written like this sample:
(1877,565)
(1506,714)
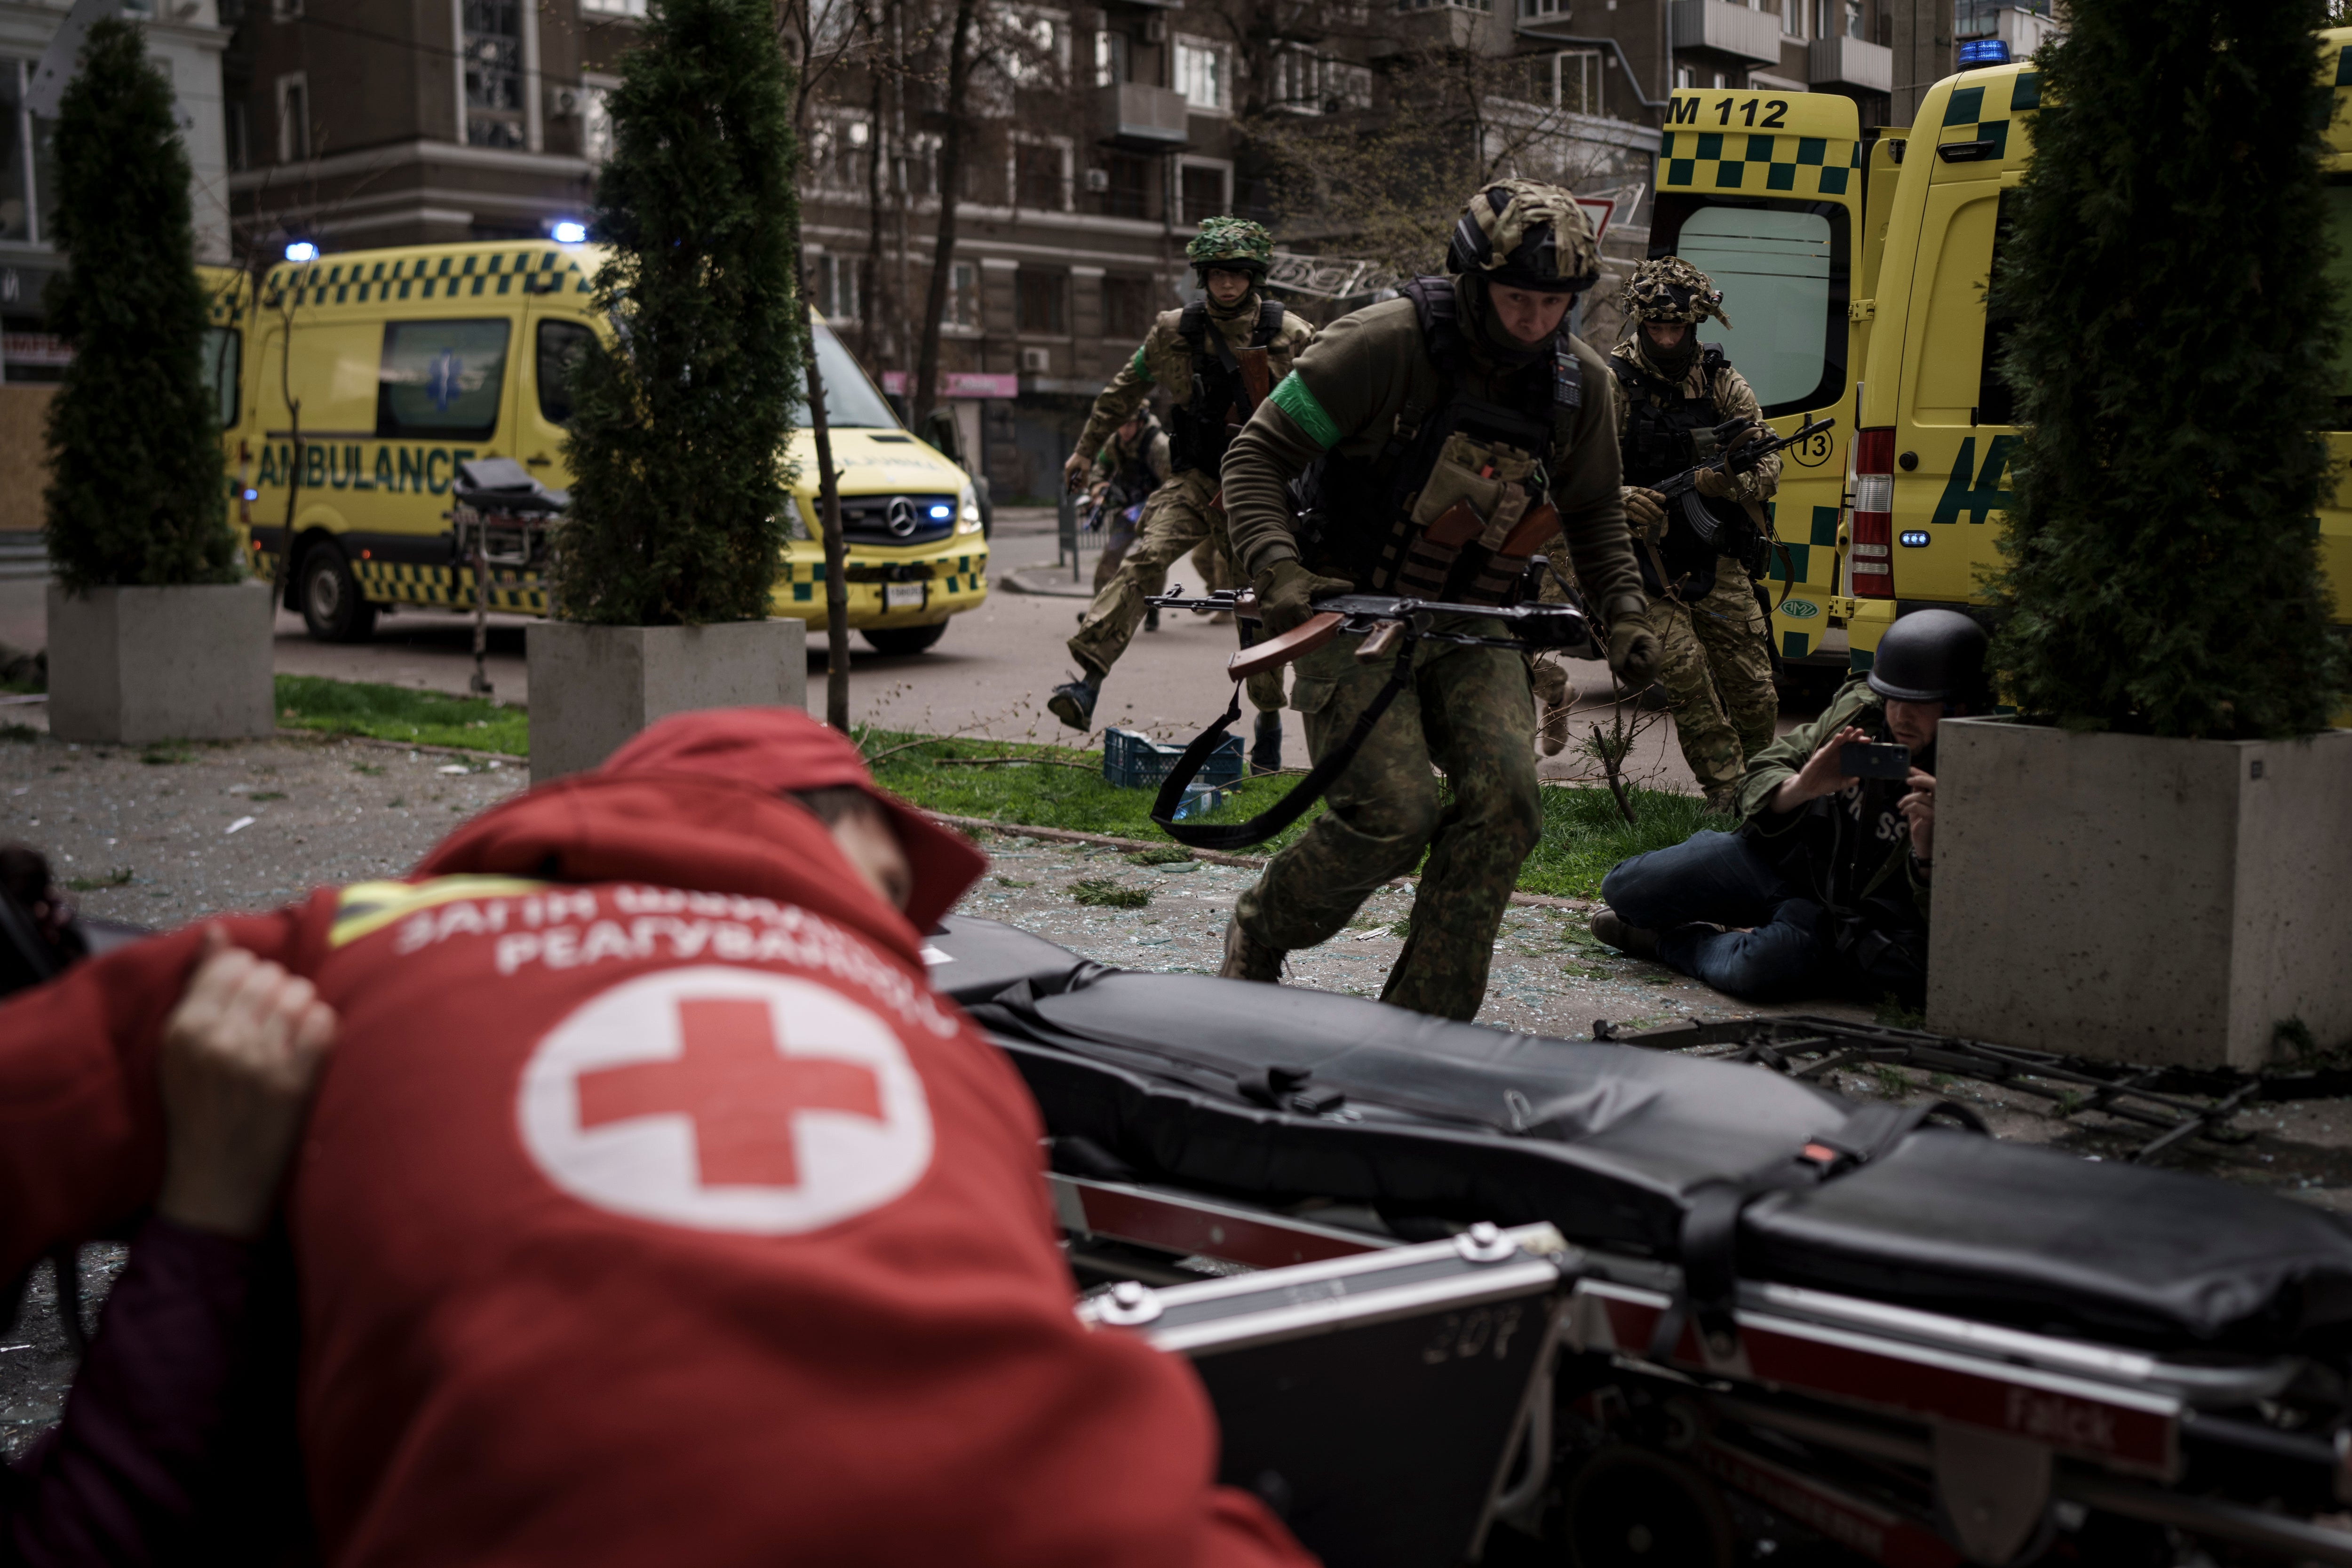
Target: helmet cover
(1671,289)
(1234,243)
(1525,233)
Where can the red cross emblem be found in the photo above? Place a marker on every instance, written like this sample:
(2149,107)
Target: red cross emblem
(725,1098)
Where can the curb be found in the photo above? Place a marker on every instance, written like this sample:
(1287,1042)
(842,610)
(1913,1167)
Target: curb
(285,733)
(1105,841)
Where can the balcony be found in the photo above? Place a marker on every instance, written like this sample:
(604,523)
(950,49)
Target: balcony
(1134,114)
(1734,30)
(1853,63)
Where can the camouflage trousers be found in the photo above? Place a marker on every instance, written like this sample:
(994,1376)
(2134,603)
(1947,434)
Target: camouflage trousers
(1176,519)
(1716,669)
(1468,710)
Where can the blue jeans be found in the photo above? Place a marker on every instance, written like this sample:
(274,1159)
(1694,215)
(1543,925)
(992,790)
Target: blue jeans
(1719,879)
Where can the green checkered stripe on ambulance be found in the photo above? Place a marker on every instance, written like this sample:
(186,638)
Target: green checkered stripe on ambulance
(1757,162)
(1969,118)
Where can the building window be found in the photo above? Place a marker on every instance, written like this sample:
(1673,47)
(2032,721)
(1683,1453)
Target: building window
(834,280)
(1793,17)
(493,62)
(1037,46)
(1043,302)
(1308,83)
(1127,308)
(1205,75)
(28,186)
(964,296)
(293,118)
(1110,57)
(1203,192)
(613,7)
(1575,81)
(1533,9)
(596,119)
(1445,5)
(1041,175)
(1127,193)
(837,154)
(1685,77)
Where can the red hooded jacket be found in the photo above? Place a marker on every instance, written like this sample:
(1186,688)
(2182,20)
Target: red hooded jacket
(653,1207)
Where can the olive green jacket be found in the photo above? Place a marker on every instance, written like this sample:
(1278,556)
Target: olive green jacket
(1874,838)
(1166,359)
(1345,394)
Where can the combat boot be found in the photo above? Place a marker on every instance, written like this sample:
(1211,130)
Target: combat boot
(1246,958)
(1266,746)
(1073,702)
(1631,941)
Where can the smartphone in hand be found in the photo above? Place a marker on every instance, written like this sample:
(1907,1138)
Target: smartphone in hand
(1867,760)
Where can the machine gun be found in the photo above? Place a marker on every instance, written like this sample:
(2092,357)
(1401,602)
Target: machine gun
(1744,443)
(1388,625)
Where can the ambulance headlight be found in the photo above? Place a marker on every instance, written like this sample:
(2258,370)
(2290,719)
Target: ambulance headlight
(968,510)
(569,232)
(302,250)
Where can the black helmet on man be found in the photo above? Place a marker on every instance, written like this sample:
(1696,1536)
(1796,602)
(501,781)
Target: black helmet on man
(1524,234)
(1931,656)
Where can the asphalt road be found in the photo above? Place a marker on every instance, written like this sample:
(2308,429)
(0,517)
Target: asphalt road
(989,676)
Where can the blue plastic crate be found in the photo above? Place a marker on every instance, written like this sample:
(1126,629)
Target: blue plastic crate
(1132,761)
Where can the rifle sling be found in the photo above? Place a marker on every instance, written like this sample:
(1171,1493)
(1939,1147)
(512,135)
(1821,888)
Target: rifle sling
(1292,805)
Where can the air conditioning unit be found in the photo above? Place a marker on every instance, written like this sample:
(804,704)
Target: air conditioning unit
(1098,180)
(1155,29)
(563,102)
(1036,361)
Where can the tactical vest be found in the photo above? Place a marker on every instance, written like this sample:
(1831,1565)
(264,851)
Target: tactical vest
(1131,477)
(1667,432)
(1457,500)
(1200,426)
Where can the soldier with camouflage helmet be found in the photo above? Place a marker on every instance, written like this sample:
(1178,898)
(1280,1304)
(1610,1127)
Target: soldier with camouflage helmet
(1215,356)
(1426,445)
(1716,658)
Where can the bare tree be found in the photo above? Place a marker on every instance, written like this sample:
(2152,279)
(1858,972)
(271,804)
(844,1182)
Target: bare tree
(951,151)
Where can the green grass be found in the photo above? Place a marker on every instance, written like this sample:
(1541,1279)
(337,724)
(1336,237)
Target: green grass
(398,713)
(1103,893)
(1060,786)
(114,878)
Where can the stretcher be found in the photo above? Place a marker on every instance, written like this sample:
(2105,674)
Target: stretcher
(1786,1321)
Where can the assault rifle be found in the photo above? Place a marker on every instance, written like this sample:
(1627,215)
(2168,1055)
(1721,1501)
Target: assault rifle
(1739,457)
(1388,625)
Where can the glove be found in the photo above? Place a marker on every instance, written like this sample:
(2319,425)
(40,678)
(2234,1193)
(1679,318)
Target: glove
(1712,483)
(1075,471)
(1633,648)
(1286,593)
(1645,511)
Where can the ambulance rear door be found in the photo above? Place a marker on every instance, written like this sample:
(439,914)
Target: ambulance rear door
(1762,192)
(2335,503)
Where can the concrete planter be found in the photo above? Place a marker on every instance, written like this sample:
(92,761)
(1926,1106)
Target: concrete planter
(2140,899)
(128,666)
(592,687)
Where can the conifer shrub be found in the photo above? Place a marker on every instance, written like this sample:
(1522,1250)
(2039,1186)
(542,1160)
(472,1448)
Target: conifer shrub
(679,423)
(2173,352)
(136,492)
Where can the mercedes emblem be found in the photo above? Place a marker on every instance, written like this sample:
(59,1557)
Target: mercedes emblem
(902,517)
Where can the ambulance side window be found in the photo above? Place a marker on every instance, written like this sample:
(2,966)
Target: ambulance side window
(441,380)
(559,348)
(224,365)
(1996,404)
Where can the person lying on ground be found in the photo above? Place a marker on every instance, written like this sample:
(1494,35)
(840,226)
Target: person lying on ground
(1823,889)
(122,1478)
(655,1207)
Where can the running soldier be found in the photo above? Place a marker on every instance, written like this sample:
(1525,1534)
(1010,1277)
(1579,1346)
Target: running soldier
(1449,434)
(1131,465)
(1715,658)
(1216,356)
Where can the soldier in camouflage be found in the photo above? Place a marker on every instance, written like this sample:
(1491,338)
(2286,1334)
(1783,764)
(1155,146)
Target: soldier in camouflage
(1207,354)
(1131,465)
(1451,432)
(1716,662)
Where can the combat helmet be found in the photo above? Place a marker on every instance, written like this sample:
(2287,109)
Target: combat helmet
(1671,289)
(1525,233)
(1234,244)
(1931,656)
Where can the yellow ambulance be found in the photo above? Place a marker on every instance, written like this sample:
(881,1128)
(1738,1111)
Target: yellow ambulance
(1937,430)
(1762,191)
(402,364)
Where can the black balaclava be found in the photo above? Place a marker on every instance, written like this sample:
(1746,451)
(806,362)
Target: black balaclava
(1674,364)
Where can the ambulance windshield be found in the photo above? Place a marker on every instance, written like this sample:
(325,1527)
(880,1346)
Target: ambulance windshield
(850,400)
(1773,267)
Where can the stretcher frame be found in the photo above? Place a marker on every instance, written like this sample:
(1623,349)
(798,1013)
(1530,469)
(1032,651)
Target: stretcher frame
(1929,1439)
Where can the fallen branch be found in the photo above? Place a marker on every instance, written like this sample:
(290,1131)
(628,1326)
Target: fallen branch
(991,762)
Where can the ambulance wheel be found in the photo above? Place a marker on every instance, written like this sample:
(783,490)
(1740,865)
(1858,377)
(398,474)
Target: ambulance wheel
(333,608)
(1628,1508)
(904,639)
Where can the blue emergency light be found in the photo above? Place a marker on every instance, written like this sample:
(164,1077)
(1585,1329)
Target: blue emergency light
(569,232)
(1915,538)
(1984,52)
(302,250)
(940,513)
